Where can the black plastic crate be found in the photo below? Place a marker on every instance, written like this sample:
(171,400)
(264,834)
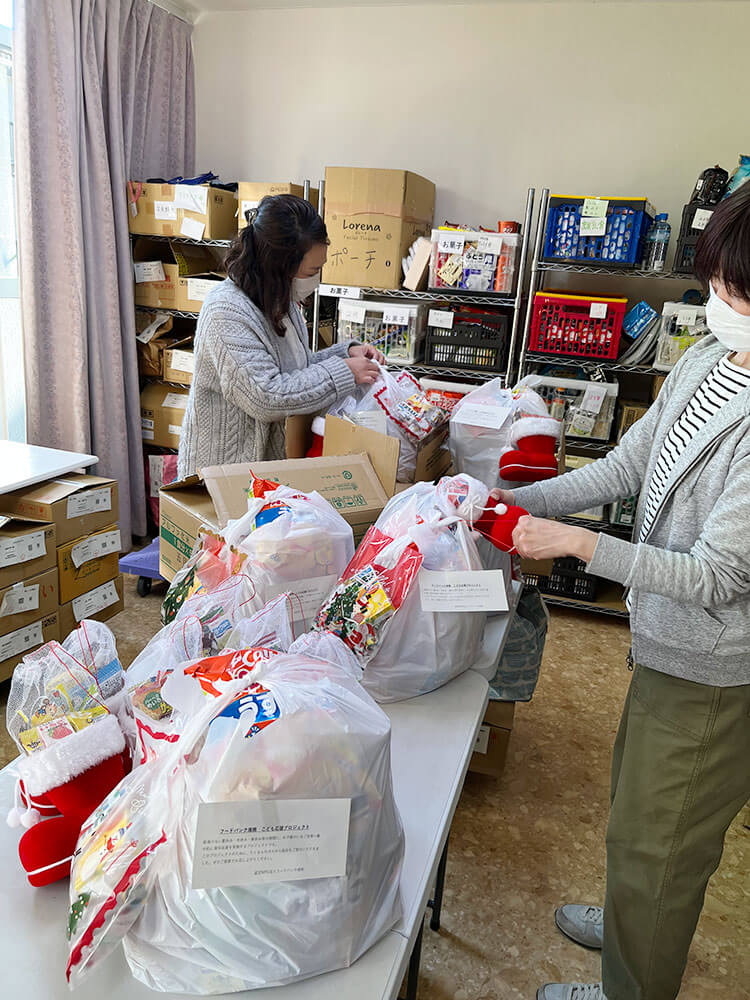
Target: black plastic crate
(476,340)
(687,229)
(684,255)
(567,579)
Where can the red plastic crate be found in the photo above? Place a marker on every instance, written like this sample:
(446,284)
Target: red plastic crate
(570,325)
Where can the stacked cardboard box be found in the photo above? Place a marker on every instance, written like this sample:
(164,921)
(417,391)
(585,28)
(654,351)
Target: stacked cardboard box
(198,211)
(493,738)
(59,561)
(251,193)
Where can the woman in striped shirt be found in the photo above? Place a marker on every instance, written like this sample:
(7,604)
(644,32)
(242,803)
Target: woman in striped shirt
(681,761)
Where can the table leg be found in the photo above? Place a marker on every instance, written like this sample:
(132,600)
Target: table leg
(436,904)
(412,978)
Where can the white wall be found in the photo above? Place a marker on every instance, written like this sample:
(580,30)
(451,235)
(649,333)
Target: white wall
(610,98)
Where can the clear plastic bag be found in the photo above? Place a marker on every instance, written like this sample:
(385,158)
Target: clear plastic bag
(476,449)
(210,565)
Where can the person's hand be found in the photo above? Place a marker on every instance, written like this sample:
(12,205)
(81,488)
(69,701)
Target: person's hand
(504,496)
(367,351)
(365,371)
(538,538)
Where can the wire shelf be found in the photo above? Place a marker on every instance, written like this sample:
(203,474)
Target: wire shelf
(597,609)
(459,373)
(507,301)
(615,272)
(185,314)
(592,525)
(591,364)
(586,444)
(181,239)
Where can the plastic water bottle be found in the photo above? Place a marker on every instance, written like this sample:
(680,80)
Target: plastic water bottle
(656,243)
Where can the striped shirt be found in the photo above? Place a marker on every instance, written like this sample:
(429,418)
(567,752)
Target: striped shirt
(723,382)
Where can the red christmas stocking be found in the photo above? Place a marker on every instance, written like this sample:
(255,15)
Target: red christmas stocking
(534,456)
(497,523)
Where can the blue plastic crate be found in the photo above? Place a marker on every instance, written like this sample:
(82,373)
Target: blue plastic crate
(628,221)
(638,320)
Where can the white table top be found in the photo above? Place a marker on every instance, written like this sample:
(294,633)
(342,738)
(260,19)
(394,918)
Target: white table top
(25,464)
(432,740)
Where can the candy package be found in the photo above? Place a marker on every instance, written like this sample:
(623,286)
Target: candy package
(294,728)
(212,563)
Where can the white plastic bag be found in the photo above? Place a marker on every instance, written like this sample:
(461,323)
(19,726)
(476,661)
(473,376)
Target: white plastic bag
(476,449)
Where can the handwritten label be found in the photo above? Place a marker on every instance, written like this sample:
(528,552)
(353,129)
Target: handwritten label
(89,502)
(192,229)
(19,599)
(352,312)
(702,217)
(166,210)
(22,549)
(483,740)
(307,596)
(374,420)
(269,840)
(148,270)
(598,310)
(488,243)
(441,318)
(148,334)
(20,641)
(687,316)
(481,415)
(95,601)
(191,197)
(593,226)
(462,590)
(341,291)
(595,208)
(95,547)
(450,243)
(198,288)
(593,398)
(182,361)
(175,401)
(396,316)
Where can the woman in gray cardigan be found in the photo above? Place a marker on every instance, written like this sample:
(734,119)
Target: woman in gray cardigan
(253,365)
(681,761)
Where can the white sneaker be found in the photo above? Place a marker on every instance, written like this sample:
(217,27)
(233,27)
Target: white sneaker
(571,991)
(582,924)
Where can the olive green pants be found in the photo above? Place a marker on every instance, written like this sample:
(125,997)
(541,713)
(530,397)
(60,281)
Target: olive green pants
(680,774)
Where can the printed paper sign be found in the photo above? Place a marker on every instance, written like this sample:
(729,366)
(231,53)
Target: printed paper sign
(166,210)
(150,331)
(148,270)
(598,310)
(175,401)
(146,424)
(20,599)
(374,420)
(490,244)
(450,243)
(352,312)
(483,740)
(20,641)
(593,226)
(175,429)
(595,208)
(191,197)
(192,229)
(687,316)
(155,474)
(22,549)
(593,398)
(481,415)
(307,596)
(94,547)
(702,217)
(463,590)
(146,434)
(198,288)
(269,840)
(441,318)
(341,291)
(89,502)
(95,601)
(183,361)
(396,316)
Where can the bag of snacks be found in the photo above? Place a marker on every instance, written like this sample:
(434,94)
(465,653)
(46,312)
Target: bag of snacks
(211,564)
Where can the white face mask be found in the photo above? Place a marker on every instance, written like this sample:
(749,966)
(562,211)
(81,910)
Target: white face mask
(302,287)
(730,328)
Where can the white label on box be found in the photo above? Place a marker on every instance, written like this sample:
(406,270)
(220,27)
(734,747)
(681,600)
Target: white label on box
(248,206)
(146,424)
(490,244)
(352,312)
(463,590)
(191,197)
(269,840)
(374,420)
(396,316)
(341,291)
(183,361)
(22,549)
(20,641)
(150,332)
(595,208)
(481,415)
(90,501)
(94,547)
(687,316)
(192,229)
(701,217)
(198,288)
(20,599)
(95,601)
(450,243)
(175,429)
(441,318)
(593,226)
(147,435)
(175,401)
(306,596)
(593,398)
(483,740)
(165,210)
(598,310)
(148,270)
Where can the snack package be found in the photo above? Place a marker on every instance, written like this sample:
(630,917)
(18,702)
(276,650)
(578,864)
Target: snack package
(211,564)
(294,728)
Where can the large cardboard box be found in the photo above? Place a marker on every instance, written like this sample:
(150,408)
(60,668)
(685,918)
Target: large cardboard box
(183,507)
(153,342)
(99,604)
(28,600)
(493,738)
(76,504)
(179,362)
(251,193)
(174,275)
(88,562)
(373,217)
(162,413)
(27,548)
(15,645)
(197,211)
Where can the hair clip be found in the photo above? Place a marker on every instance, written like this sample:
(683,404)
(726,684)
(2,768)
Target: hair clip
(251,214)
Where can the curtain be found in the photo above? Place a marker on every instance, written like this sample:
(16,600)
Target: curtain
(104,93)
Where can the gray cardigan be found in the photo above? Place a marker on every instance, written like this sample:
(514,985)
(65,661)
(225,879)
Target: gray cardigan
(690,577)
(247,380)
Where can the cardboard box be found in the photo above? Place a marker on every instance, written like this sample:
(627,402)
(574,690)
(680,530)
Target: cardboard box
(174,331)
(99,604)
(630,413)
(493,738)
(15,645)
(251,193)
(183,507)
(189,273)
(656,384)
(373,217)
(197,211)
(100,552)
(416,276)
(162,413)
(28,600)
(27,548)
(179,362)
(76,504)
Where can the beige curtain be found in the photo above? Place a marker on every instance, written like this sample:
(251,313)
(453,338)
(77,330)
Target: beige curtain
(104,93)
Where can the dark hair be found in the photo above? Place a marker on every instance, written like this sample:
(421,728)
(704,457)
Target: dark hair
(266,255)
(723,249)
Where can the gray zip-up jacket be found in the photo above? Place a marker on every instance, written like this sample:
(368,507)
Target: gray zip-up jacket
(690,577)
(247,380)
